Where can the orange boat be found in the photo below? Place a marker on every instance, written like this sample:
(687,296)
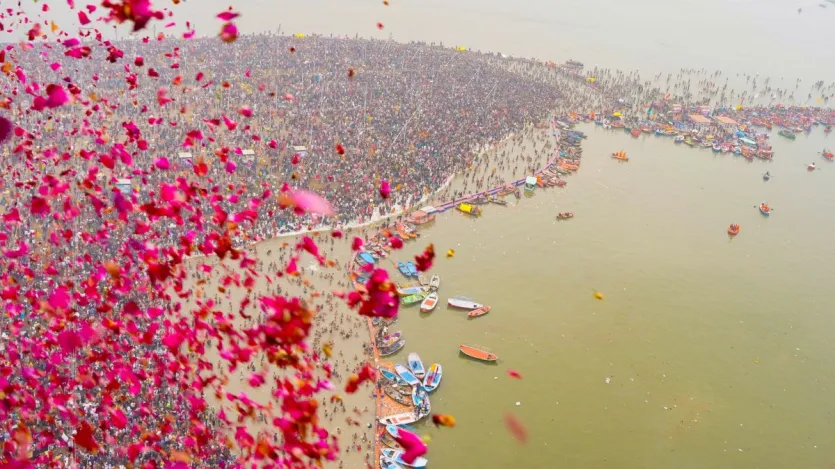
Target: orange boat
(473,352)
(478,312)
(620,155)
(733,230)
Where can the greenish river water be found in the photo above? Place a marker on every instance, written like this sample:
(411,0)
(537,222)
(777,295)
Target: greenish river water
(717,349)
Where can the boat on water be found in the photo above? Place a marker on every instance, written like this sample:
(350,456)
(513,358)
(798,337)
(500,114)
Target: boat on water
(406,291)
(766,176)
(393,348)
(635,132)
(407,375)
(717,148)
(469,209)
(420,399)
(416,365)
(429,303)
(393,431)
(389,441)
(388,463)
(827,154)
(733,230)
(620,155)
(765,209)
(496,200)
(433,377)
(478,312)
(565,215)
(530,184)
(412,269)
(423,280)
(811,167)
(403,269)
(463,302)
(392,377)
(435,282)
(678,139)
(477,353)
(413,299)
(397,457)
(389,339)
(402,394)
(399,419)
(787,134)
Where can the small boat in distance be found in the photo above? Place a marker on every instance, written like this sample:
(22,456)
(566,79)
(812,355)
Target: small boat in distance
(412,269)
(403,269)
(733,230)
(397,456)
(827,154)
(433,377)
(811,167)
(620,155)
(766,176)
(399,419)
(393,348)
(765,209)
(787,134)
(469,209)
(435,282)
(565,215)
(422,280)
(678,139)
(478,354)
(416,365)
(463,302)
(407,375)
(478,312)
(429,303)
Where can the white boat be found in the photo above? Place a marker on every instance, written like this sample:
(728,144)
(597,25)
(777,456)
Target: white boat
(397,456)
(407,375)
(400,419)
(435,283)
(463,302)
(406,291)
(388,463)
(416,365)
(422,280)
(433,377)
(429,303)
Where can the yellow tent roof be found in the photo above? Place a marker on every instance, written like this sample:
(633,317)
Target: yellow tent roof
(299,34)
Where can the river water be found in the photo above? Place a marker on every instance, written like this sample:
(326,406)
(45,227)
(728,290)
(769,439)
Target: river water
(716,349)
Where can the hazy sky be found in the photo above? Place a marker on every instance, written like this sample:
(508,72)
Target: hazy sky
(766,36)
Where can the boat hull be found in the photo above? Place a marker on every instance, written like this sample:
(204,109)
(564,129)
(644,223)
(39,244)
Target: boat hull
(463,303)
(478,354)
(433,377)
(399,419)
(765,213)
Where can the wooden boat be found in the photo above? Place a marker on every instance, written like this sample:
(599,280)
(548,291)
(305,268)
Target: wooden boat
(389,339)
(412,269)
(496,200)
(827,154)
(787,134)
(403,269)
(435,282)
(407,375)
(410,290)
(393,431)
(422,280)
(401,395)
(399,419)
(565,215)
(393,348)
(478,354)
(387,463)
(389,441)
(392,377)
(397,457)
(413,299)
(620,155)
(635,132)
(766,176)
(811,167)
(416,365)
(469,209)
(478,312)
(733,230)
(429,303)
(463,302)
(433,377)
(765,209)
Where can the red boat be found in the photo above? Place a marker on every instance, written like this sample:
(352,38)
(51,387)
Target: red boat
(636,132)
(827,154)
(565,216)
(733,230)
(478,312)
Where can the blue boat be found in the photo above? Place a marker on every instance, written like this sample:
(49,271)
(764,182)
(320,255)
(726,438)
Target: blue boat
(407,375)
(765,209)
(387,463)
(416,365)
(366,257)
(397,457)
(412,269)
(433,377)
(403,269)
(392,377)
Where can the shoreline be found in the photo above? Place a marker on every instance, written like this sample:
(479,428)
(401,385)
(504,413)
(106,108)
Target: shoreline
(440,208)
